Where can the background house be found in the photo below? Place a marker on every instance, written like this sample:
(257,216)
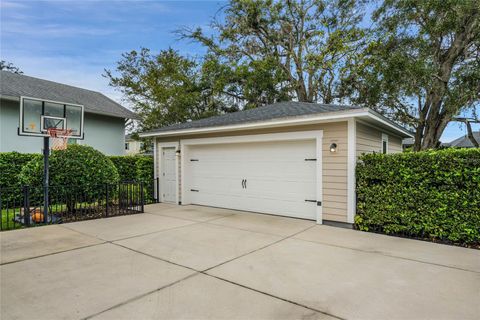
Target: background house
(464,141)
(137,146)
(105,119)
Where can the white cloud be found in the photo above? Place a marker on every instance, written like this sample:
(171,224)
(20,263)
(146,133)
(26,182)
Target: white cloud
(12,5)
(52,30)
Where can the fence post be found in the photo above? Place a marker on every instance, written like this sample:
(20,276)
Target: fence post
(142,198)
(106,199)
(26,206)
(157,199)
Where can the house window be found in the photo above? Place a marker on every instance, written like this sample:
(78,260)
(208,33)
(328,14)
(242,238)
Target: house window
(127,146)
(384,143)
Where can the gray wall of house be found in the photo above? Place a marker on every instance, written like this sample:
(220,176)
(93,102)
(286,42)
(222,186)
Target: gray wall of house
(104,133)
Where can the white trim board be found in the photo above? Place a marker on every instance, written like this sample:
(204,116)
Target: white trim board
(316,135)
(351,164)
(155,170)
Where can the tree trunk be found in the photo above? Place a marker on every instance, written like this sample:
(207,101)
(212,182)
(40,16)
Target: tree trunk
(470,135)
(417,142)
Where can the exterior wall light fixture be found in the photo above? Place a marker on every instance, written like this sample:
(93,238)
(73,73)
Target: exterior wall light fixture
(333,147)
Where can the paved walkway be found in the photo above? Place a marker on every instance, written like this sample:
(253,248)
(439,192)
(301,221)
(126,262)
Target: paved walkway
(192,262)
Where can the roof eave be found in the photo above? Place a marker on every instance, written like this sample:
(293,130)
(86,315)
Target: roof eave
(284,122)
(378,117)
(281,122)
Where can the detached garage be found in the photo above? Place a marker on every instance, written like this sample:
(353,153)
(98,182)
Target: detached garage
(291,159)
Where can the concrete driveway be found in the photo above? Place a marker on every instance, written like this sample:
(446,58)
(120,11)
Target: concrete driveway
(195,262)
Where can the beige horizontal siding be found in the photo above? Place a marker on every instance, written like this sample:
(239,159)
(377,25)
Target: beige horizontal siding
(394,144)
(369,140)
(334,171)
(334,217)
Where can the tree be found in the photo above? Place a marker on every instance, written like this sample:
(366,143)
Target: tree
(282,50)
(165,89)
(10,67)
(423,66)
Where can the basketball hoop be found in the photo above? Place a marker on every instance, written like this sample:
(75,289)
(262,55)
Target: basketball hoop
(59,138)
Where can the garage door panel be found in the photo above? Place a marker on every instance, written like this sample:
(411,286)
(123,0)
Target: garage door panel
(219,185)
(298,190)
(278,179)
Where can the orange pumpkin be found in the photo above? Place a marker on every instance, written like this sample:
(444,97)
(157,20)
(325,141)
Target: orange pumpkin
(37,216)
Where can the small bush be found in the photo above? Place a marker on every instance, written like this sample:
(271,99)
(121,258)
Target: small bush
(79,168)
(431,194)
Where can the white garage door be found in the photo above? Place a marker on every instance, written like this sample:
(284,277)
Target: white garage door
(270,177)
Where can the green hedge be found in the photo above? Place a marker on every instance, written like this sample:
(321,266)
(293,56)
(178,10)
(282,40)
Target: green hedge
(11,164)
(136,168)
(431,194)
(126,166)
(129,168)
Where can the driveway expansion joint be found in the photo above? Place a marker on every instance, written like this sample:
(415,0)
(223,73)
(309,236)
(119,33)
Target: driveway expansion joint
(388,255)
(54,253)
(141,296)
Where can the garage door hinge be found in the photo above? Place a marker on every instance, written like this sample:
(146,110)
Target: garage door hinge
(193,159)
(319,203)
(194,190)
(310,159)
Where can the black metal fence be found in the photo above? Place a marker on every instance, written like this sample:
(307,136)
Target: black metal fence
(24,206)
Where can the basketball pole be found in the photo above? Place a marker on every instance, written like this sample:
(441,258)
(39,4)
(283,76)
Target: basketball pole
(46,178)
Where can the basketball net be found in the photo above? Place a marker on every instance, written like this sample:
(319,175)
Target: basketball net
(59,138)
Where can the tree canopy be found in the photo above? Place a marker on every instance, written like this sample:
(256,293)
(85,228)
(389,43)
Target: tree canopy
(422,65)
(283,50)
(417,62)
(165,88)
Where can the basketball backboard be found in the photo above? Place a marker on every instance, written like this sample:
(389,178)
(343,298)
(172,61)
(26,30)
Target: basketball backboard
(37,116)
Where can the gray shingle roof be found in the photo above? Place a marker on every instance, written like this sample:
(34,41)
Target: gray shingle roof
(16,85)
(464,142)
(268,112)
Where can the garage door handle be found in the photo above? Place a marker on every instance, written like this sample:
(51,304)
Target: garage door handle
(243,183)
(319,203)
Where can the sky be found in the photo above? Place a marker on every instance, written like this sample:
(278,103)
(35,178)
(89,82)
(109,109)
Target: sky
(72,42)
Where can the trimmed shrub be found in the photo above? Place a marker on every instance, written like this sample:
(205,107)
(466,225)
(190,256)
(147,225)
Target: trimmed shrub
(78,168)
(126,167)
(144,173)
(68,168)
(136,168)
(76,165)
(11,164)
(432,195)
